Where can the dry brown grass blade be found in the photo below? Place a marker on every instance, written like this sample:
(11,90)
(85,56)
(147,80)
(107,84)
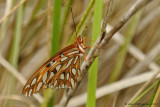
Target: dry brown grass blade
(49,26)
(146,61)
(17,75)
(19,98)
(14,8)
(156,98)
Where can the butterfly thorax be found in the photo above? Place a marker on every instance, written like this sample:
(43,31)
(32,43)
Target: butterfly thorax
(80,44)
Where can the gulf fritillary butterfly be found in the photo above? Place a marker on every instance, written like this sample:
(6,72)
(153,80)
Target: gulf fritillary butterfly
(60,71)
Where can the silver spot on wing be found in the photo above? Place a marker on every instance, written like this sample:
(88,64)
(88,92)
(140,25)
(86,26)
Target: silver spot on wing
(55,83)
(81,48)
(68,64)
(72,82)
(62,59)
(74,71)
(62,85)
(74,52)
(45,77)
(76,59)
(58,67)
(34,81)
(39,86)
(67,76)
(51,75)
(62,76)
(27,86)
(30,92)
(26,94)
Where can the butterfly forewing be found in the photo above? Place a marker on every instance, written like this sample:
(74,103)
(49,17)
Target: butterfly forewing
(60,71)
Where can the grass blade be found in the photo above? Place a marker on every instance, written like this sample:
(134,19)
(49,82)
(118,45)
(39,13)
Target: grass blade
(145,92)
(49,93)
(15,47)
(81,22)
(56,26)
(92,78)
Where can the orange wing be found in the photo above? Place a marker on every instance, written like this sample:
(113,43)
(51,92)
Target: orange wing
(60,71)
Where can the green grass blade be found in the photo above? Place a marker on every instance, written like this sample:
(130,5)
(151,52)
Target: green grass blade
(15,47)
(144,93)
(86,13)
(92,77)
(65,15)
(49,93)
(56,26)
(4,25)
(154,98)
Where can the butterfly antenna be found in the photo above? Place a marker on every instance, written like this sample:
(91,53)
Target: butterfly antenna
(73,20)
(84,30)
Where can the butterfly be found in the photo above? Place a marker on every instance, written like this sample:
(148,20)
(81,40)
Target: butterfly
(60,71)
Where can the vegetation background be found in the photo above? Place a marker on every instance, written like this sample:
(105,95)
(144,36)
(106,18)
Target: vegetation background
(125,72)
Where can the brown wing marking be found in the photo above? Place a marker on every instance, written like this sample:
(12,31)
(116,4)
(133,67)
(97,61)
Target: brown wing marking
(67,75)
(54,72)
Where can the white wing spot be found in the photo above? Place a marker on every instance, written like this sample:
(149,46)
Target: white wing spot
(27,86)
(81,54)
(72,82)
(54,63)
(58,67)
(64,58)
(74,71)
(62,85)
(67,76)
(75,59)
(62,77)
(66,86)
(69,63)
(39,86)
(30,91)
(52,86)
(51,75)
(55,83)
(34,81)
(80,47)
(45,77)
(26,94)
(45,86)
(51,63)
(48,65)
(79,72)
(74,52)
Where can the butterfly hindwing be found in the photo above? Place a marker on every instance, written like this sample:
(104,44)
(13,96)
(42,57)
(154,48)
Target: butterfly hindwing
(67,74)
(58,72)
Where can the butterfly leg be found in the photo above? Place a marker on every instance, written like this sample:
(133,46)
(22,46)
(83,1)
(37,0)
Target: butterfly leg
(90,46)
(84,40)
(85,58)
(87,46)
